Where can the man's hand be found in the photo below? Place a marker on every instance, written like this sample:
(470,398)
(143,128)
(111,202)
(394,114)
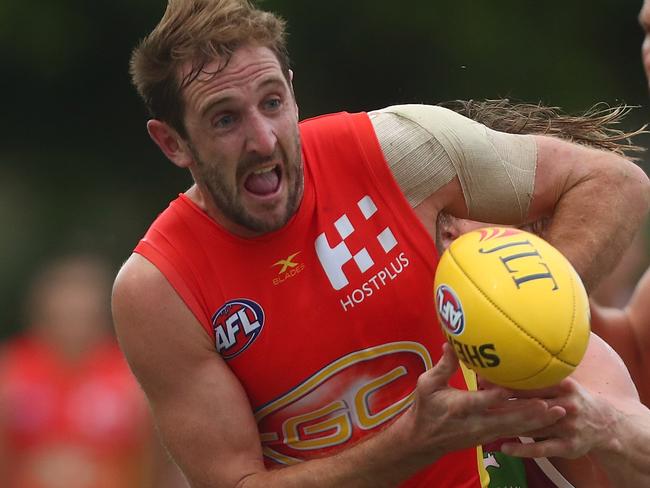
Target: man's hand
(590,423)
(443,417)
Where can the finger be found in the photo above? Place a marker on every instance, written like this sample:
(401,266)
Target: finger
(438,377)
(553,447)
(519,421)
(571,396)
(523,404)
(481,401)
(556,430)
(563,388)
(550,392)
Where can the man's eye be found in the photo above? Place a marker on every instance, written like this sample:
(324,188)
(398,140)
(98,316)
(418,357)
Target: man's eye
(224,121)
(273,103)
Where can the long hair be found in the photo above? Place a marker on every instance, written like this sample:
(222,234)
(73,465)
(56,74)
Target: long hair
(596,127)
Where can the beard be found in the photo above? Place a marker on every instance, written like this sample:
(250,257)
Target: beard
(211,177)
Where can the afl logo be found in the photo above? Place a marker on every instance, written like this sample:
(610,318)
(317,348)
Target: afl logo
(236,325)
(450,310)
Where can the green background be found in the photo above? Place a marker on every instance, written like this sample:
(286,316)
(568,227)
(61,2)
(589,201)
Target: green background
(78,171)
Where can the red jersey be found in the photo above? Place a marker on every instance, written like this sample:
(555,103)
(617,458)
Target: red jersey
(329,321)
(80,426)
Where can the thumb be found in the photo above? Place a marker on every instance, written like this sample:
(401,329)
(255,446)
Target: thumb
(438,377)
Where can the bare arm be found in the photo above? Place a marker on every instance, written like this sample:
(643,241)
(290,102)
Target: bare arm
(443,161)
(206,421)
(585,191)
(597,200)
(628,332)
(605,420)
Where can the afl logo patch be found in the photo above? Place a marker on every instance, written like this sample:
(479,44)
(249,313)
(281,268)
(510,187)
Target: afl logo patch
(450,310)
(236,326)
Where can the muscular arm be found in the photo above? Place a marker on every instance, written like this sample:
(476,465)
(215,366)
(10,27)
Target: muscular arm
(597,201)
(604,419)
(472,172)
(206,421)
(628,332)
(625,457)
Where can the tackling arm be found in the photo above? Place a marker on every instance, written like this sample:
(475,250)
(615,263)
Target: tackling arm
(628,332)
(605,420)
(597,201)
(456,165)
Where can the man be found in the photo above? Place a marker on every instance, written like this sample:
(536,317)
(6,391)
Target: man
(71,413)
(280,310)
(624,329)
(627,330)
(602,372)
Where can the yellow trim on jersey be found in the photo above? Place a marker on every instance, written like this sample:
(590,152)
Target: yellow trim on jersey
(342,363)
(472,385)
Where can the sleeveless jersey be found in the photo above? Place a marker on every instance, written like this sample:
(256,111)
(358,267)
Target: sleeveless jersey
(329,321)
(85,425)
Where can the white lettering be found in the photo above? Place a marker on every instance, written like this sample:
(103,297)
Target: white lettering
(248,327)
(358,296)
(345,303)
(232,328)
(375,283)
(450,314)
(222,339)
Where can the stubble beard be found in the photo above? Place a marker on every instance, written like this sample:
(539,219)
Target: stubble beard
(226,199)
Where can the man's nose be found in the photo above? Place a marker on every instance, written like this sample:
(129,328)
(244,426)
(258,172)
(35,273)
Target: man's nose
(260,135)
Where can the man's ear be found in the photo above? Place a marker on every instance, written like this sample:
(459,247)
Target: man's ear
(293,93)
(170,143)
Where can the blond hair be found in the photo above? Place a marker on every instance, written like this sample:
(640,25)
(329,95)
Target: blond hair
(197,32)
(596,127)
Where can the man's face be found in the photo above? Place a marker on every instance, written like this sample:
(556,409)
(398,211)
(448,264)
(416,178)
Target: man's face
(644,20)
(450,228)
(242,125)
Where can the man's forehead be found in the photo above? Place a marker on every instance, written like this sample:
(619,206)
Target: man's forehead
(219,81)
(241,59)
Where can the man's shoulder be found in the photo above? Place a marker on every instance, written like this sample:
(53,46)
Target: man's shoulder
(137,280)
(334,123)
(324,118)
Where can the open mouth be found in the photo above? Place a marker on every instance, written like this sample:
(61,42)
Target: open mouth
(264,181)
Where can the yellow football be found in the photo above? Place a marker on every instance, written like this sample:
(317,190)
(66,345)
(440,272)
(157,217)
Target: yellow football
(512,306)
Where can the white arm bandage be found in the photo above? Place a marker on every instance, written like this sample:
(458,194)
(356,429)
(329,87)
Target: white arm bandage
(427,146)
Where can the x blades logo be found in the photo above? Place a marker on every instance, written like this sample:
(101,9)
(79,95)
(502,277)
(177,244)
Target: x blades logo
(288,269)
(287,263)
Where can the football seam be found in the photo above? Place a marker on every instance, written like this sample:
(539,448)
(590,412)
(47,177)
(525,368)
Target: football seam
(573,320)
(524,331)
(546,366)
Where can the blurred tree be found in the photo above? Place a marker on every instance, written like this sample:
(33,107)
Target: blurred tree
(77,169)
